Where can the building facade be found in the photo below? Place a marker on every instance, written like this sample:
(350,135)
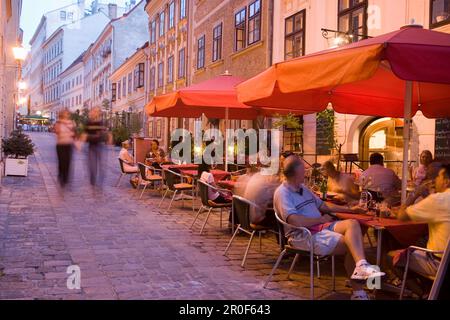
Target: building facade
(87,81)
(73,17)
(72,86)
(298,28)
(118,40)
(130,90)
(232,37)
(169,24)
(10,37)
(61,49)
(129,83)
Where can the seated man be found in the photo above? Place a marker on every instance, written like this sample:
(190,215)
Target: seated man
(129,166)
(434,210)
(380,179)
(298,206)
(340,183)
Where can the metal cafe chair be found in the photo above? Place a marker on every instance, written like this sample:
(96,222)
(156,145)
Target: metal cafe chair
(146,179)
(410,251)
(124,172)
(207,204)
(298,252)
(174,183)
(241,211)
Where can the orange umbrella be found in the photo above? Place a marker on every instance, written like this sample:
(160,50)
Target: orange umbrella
(366,78)
(213,98)
(393,75)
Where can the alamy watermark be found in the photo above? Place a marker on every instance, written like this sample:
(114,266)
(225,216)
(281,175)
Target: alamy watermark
(74,279)
(241,147)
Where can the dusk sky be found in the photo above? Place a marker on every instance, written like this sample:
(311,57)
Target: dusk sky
(34,9)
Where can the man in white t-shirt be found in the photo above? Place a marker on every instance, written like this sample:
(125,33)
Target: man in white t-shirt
(299,207)
(435,211)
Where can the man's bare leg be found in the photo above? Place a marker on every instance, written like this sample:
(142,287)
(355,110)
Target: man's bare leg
(353,238)
(349,263)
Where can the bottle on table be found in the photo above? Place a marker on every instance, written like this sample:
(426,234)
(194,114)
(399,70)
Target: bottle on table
(365,198)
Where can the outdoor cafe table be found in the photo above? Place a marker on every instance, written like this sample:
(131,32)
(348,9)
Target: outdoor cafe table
(218,174)
(179,167)
(405,232)
(227,184)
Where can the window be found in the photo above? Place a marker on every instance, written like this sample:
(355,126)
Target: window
(153,31)
(70,16)
(254,22)
(352,18)
(119,90)
(182,9)
(239,26)
(124,86)
(217,43)
(130,83)
(162,23)
(62,15)
(181,64)
(294,42)
(439,13)
(161,75)
(140,75)
(114,92)
(170,69)
(172,15)
(135,78)
(152,79)
(201,52)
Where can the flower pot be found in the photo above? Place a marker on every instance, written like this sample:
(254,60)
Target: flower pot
(16,167)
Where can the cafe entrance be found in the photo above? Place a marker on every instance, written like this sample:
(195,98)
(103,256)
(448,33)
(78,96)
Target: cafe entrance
(385,136)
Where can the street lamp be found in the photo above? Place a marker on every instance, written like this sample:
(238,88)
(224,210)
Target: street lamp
(20,53)
(23,101)
(22,85)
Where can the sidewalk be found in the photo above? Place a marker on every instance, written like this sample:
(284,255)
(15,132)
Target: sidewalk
(126,248)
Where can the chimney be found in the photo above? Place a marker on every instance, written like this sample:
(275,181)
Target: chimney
(112,11)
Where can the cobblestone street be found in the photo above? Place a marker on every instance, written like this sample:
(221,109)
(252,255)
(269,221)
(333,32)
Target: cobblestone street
(127,248)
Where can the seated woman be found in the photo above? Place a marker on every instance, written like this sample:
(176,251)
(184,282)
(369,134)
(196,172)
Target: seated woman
(129,166)
(156,154)
(340,183)
(216,196)
(419,174)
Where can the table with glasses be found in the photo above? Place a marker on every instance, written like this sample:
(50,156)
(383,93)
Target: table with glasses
(218,174)
(405,232)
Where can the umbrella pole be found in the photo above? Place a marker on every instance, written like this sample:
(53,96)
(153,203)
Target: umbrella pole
(226,139)
(406,137)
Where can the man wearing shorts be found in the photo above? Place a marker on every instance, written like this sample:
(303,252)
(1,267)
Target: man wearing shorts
(299,207)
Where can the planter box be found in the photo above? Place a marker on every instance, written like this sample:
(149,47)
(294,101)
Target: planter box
(16,167)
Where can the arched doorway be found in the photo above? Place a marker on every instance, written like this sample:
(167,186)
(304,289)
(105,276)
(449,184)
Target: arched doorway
(385,136)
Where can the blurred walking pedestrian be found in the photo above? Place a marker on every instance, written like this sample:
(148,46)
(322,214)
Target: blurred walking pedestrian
(65,135)
(96,136)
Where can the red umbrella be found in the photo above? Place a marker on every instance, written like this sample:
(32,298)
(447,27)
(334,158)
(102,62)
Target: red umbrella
(213,98)
(393,75)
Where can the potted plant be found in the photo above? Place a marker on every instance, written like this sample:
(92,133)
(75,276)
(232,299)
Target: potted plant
(17,148)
